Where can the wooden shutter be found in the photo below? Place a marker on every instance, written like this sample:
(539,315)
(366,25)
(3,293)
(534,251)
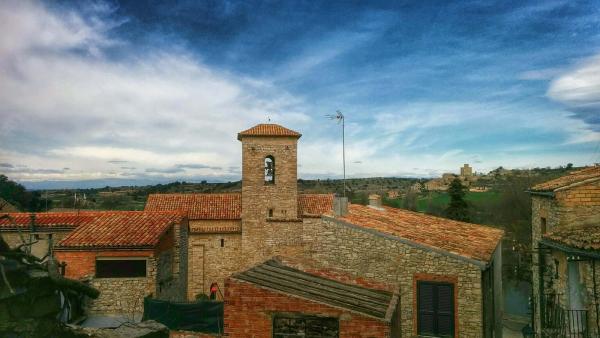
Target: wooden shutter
(435,307)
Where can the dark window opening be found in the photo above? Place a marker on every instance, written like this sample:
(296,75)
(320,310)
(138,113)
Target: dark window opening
(120,268)
(285,326)
(435,308)
(222,242)
(269,170)
(270,212)
(543,224)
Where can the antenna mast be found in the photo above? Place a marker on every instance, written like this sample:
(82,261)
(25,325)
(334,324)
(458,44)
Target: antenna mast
(339,117)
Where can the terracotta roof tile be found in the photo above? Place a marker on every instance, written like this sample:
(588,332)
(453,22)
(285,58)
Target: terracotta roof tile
(122,229)
(314,205)
(586,237)
(50,219)
(198,206)
(268,129)
(229,206)
(571,178)
(463,239)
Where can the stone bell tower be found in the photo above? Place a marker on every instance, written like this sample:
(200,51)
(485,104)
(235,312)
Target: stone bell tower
(269,187)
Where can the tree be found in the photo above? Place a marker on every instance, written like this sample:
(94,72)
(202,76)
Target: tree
(17,195)
(457,209)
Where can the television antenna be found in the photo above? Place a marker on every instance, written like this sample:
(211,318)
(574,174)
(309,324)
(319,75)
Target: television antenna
(339,117)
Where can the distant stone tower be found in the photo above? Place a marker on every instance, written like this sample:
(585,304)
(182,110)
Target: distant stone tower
(269,188)
(466,171)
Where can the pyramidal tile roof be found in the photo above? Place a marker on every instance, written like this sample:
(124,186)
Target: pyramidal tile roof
(122,229)
(574,177)
(268,129)
(473,241)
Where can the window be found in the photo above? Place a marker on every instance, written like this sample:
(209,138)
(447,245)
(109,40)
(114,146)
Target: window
(543,224)
(270,212)
(269,170)
(120,268)
(435,307)
(305,326)
(222,242)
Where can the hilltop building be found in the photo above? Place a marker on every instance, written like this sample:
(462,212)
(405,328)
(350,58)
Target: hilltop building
(414,274)
(467,178)
(566,242)
(426,258)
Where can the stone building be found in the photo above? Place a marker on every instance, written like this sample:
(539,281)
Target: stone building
(6,207)
(127,256)
(44,229)
(566,237)
(466,171)
(448,273)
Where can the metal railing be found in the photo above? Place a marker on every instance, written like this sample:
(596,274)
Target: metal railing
(559,322)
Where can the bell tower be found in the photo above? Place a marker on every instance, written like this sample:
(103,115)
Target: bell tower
(269,185)
(269,172)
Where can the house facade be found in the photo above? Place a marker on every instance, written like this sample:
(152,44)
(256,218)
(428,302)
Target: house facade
(566,242)
(448,273)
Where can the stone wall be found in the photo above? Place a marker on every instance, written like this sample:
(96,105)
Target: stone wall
(40,248)
(123,295)
(575,206)
(210,262)
(259,197)
(366,254)
(249,313)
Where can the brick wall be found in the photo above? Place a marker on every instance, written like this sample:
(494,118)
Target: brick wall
(364,254)
(249,310)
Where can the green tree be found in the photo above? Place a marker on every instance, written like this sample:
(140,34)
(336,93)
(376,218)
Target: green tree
(457,209)
(17,195)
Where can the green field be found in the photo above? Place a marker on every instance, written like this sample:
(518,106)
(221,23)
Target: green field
(439,200)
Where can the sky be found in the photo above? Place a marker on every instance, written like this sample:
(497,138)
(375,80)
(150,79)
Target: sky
(96,93)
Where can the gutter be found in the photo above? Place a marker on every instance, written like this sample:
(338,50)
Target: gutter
(541,193)
(570,249)
(481,264)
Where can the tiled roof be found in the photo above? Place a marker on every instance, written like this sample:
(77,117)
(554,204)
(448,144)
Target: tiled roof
(572,178)
(229,206)
(139,229)
(314,205)
(276,276)
(49,219)
(467,240)
(198,206)
(268,129)
(585,237)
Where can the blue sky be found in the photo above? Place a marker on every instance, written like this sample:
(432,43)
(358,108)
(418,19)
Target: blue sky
(139,92)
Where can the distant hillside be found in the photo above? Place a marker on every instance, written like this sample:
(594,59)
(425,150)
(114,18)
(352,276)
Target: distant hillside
(134,198)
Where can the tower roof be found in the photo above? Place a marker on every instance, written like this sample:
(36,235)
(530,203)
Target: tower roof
(268,129)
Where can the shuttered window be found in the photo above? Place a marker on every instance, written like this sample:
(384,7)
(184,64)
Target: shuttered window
(435,307)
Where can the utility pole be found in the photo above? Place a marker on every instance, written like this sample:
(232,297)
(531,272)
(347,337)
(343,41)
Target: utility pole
(339,117)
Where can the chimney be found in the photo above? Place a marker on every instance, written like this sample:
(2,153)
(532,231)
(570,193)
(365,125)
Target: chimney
(375,201)
(340,206)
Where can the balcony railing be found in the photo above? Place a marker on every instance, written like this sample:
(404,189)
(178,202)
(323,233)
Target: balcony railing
(558,322)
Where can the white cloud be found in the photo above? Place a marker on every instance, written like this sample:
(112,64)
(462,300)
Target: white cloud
(61,97)
(579,87)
